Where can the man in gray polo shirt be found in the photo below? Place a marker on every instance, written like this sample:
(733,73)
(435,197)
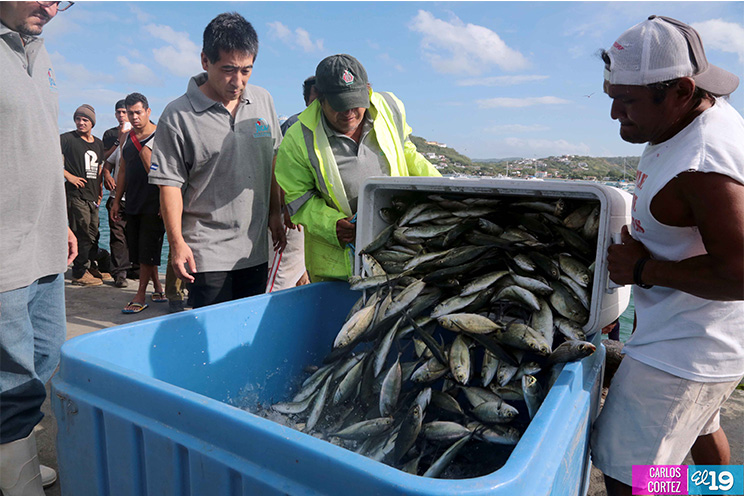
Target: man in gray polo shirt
(213,161)
(35,245)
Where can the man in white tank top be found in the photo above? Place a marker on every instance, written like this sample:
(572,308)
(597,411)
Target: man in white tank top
(684,252)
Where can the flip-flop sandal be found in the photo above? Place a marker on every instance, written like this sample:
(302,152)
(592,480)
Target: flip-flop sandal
(138,307)
(158,297)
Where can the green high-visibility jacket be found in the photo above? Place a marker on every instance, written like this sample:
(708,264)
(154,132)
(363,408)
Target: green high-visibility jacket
(314,192)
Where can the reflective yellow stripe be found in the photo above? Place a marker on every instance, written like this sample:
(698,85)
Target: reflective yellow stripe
(330,172)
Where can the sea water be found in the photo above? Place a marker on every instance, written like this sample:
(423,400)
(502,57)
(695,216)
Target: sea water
(103,228)
(626,320)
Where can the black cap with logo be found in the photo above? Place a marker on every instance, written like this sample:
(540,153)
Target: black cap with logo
(343,81)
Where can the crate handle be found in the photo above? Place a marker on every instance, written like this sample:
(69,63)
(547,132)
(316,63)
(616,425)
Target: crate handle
(612,285)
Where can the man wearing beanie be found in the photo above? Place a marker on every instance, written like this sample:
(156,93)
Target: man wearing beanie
(684,252)
(83,158)
(345,136)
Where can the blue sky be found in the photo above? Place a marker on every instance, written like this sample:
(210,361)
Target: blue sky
(490,79)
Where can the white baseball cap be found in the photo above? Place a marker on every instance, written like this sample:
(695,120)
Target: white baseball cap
(662,49)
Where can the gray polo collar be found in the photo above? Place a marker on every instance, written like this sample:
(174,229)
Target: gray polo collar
(367,125)
(5,30)
(200,102)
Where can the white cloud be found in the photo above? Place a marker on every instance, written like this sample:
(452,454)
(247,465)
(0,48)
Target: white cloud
(388,61)
(280,31)
(721,35)
(516,128)
(181,56)
(137,73)
(521,102)
(455,47)
(140,14)
(58,28)
(501,80)
(542,147)
(77,75)
(578,52)
(299,38)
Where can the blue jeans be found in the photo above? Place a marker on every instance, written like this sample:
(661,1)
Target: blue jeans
(33,328)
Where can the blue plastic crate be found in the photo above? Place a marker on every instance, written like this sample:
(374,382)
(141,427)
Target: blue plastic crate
(143,409)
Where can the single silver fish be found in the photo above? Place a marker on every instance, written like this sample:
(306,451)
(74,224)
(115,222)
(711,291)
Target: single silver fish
(349,384)
(390,391)
(575,270)
(571,351)
(519,295)
(570,329)
(483,282)
(542,321)
(443,461)
(523,337)
(409,431)
(294,407)
(532,394)
(489,367)
(443,431)
(496,412)
(468,322)
(566,304)
(581,293)
(459,359)
(366,429)
(318,405)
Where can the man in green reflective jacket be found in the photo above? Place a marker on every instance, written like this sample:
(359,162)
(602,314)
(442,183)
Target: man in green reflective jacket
(347,135)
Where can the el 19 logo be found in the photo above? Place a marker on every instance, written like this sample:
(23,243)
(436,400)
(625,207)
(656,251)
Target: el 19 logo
(716,479)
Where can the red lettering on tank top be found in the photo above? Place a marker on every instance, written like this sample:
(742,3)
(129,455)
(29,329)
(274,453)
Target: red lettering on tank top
(635,199)
(640,179)
(637,226)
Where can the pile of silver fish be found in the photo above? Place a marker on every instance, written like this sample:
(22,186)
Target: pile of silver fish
(470,308)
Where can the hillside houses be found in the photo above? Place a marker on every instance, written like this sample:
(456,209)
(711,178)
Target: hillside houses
(436,143)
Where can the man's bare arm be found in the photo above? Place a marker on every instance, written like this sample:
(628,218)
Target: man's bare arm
(107,153)
(146,156)
(171,209)
(276,224)
(76,181)
(716,207)
(121,182)
(108,178)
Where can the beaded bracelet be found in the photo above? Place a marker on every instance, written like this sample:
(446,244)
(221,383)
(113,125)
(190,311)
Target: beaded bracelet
(638,271)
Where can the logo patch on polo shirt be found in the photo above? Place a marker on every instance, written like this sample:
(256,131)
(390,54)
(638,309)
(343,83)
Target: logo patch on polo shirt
(347,77)
(52,81)
(262,129)
(153,166)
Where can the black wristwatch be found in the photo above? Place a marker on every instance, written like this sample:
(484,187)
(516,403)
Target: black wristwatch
(116,143)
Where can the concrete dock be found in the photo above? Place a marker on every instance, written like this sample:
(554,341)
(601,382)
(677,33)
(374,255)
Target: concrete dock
(90,309)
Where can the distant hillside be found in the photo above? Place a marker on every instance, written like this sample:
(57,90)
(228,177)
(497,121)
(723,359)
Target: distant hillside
(449,161)
(444,155)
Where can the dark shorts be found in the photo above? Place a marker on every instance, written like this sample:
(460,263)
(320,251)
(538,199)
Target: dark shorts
(209,288)
(145,234)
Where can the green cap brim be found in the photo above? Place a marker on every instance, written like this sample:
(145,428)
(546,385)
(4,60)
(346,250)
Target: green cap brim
(341,102)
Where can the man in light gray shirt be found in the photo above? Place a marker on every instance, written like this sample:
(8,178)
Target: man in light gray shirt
(35,243)
(213,161)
